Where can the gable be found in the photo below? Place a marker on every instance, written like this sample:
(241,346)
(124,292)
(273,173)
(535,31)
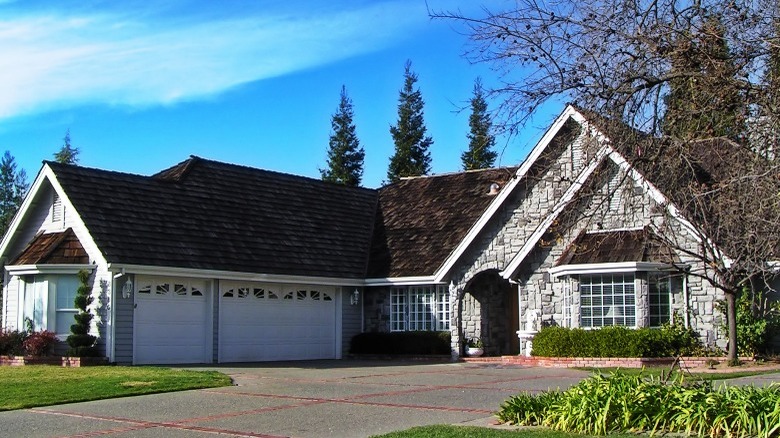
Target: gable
(60,248)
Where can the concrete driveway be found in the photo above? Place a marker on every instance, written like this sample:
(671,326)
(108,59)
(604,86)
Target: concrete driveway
(301,399)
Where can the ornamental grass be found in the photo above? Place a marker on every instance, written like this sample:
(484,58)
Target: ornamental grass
(638,404)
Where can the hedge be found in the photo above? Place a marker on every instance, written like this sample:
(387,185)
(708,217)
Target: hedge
(616,342)
(401,343)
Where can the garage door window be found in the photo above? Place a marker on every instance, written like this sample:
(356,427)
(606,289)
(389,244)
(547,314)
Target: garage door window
(171,289)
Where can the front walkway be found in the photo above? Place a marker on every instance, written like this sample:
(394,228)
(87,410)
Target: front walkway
(302,399)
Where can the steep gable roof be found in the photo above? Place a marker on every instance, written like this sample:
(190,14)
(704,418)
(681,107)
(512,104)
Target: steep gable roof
(54,248)
(420,221)
(203,214)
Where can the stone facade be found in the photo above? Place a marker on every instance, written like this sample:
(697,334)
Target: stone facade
(485,305)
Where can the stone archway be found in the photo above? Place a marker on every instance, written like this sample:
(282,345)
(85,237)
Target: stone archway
(488,310)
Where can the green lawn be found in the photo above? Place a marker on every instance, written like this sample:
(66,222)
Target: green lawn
(42,385)
(442,431)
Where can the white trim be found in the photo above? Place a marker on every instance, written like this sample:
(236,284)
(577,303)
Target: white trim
(80,229)
(48,269)
(402,281)
(530,244)
(231,275)
(549,135)
(608,268)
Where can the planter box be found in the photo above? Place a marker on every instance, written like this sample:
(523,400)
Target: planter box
(65,361)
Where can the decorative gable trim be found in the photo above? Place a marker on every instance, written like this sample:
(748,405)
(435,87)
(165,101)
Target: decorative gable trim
(79,228)
(570,112)
(530,244)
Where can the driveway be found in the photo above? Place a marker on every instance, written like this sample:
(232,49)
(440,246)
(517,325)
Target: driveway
(301,399)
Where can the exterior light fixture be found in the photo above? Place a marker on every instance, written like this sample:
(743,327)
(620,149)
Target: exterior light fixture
(354,297)
(127,289)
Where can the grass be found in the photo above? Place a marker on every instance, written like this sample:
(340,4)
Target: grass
(43,385)
(664,371)
(442,431)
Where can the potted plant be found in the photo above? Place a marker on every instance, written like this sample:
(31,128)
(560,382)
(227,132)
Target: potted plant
(474,347)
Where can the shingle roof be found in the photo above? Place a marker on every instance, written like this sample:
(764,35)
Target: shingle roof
(54,248)
(421,220)
(204,214)
(614,247)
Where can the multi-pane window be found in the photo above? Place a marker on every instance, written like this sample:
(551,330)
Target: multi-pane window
(660,288)
(419,308)
(567,303)
(607,299)
(49,302)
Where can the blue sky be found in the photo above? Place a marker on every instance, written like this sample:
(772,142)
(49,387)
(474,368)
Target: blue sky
(142,85)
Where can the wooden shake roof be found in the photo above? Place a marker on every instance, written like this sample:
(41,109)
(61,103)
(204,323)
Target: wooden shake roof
(421,220)
(203,214)
(62,248)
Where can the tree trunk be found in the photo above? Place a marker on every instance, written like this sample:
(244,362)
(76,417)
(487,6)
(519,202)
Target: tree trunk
(731,318)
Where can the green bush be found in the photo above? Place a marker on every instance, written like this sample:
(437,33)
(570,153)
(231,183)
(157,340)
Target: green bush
(632,403)
(616,342)
(401,343)
(758,320)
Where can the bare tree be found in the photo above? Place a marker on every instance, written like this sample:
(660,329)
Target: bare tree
(624,60)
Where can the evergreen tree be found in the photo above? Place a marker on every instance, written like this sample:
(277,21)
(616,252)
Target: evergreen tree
(345,156)
(67,153)
(480,154)
(13,188)
(411,157)
(704,99)
(80,341)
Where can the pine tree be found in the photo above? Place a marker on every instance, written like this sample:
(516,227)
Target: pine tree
(480,154)
(80,341)
(704,100)
(345,156)
(411,157)
(13,188)
(67,154)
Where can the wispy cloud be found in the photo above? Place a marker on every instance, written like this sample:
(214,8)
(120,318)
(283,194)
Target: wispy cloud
(53,61)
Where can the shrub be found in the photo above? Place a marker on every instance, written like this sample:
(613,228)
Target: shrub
(758,319)
(12,342)
(401,343)
(80,341)
(669,340)
(39,343)
(625,403)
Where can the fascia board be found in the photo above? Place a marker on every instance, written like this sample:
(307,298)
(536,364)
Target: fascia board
(607,268)
(536,152)
(402,281)
(48,269)
(231,275)
(43,174)
(529,245)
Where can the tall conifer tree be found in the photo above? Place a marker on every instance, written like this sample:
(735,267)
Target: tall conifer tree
(480,154)
(345,156)
(13,188)
(67,153)
(704,100)
(411,157)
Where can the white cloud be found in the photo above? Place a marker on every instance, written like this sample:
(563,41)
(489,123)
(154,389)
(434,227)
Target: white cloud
(52,61)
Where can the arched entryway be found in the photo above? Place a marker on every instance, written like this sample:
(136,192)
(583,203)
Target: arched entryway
(488,311)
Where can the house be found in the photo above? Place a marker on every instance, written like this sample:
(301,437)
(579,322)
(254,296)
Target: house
(212,262)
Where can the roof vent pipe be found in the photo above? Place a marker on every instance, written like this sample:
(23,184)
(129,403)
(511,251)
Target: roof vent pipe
(494,189)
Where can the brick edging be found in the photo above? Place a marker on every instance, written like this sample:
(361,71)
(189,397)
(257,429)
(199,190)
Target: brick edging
(598,362)
(65,361)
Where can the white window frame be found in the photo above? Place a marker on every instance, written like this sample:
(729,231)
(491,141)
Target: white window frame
(597,308)
(40,297)
(420,308)
(669,280)
(568,303)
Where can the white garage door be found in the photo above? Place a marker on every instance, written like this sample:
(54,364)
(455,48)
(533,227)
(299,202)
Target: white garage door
(171,321)
(263,322)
